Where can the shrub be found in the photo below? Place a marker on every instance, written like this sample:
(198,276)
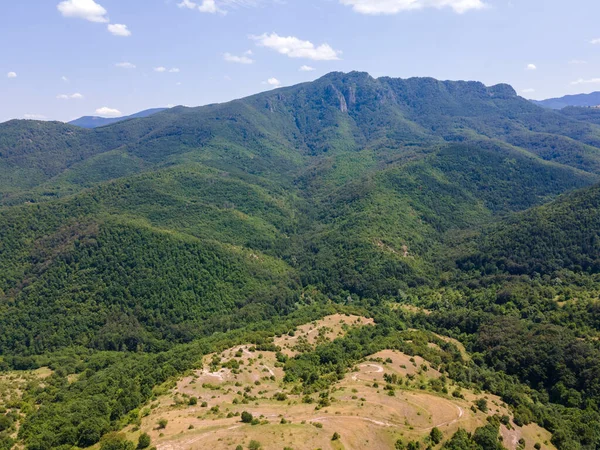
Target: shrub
(247,417)
(482,404)
(436,436)
(254,445)
(115,441)
(143,441)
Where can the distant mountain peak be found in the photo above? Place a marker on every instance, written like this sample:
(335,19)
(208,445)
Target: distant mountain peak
(582,100)
(95,121)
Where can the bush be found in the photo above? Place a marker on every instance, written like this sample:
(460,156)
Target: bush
(162,424)
(254,445)
(482,405)
(143,441)
(336,436)
(115,441)
(436,436)
(247,417)
(193,401)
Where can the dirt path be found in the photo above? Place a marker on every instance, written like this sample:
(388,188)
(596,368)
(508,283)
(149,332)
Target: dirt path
(378,369)
(366,419)
(306,335)
(461,413)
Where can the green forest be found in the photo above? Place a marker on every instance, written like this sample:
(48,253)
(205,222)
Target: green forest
(130,251)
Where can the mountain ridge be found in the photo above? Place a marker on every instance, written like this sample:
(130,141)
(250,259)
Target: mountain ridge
(96,121)
(581,100)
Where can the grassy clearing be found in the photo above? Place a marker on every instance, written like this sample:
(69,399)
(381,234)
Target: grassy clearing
(389,395)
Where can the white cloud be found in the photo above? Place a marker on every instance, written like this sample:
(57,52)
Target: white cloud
(306,69)
(187,4)
(34,117)
(577,61)
(396,6)
(588,81)
(162,69)
(244,59)
(65,79)
(595,41)
(217,6)
(83,9)
(209,6)
(125,65)
(110,112)
(75,96)
(296,48)
(528,91)
(273,82)
(531,67)
(119,29)
(11,75)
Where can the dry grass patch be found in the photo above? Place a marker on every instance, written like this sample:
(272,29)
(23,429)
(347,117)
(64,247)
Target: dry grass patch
(306,337)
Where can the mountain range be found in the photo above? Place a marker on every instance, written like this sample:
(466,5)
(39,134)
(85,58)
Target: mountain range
(581,100)
(146,235)
(95,121)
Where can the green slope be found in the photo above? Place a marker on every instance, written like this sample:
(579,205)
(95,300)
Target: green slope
(564,234)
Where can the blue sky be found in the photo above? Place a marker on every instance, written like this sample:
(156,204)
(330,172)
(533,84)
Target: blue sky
(60,59)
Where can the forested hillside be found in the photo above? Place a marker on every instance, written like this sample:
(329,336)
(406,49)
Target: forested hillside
(129,251)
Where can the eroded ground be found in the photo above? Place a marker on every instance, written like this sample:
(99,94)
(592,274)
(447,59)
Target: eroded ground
(390,395)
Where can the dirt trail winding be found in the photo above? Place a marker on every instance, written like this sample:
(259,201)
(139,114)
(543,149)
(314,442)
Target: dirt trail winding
(378,369)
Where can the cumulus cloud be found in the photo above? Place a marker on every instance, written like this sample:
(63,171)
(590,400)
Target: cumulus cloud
(160,69)
(396,6)
(93,12)
(75,96)
(528,91)
(216,6)
(34,117)
(65,79)
(125,65)
(595,41)
(11,75)
(306,69)
(174,70)
(297,48)
(243,59)
(207,6)
(584,81)
(273,82)
(187,4)
(531,67)
(110,112)
(83,9)
(119,29)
